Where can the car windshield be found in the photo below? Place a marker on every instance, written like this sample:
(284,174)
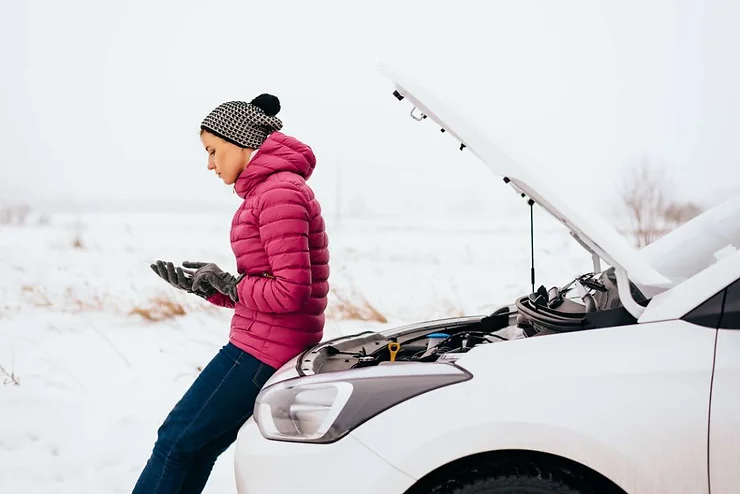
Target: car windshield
(697,244)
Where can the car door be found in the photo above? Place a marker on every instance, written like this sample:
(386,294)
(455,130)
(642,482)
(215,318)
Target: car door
(724,421)
(709,299)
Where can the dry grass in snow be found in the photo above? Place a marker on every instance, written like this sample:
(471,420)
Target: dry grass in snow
(159,308)
(355,307)
(9,377)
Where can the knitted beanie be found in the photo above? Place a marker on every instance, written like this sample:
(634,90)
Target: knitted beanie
(245,124)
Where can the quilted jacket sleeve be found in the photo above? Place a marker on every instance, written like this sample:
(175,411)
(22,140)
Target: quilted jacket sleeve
(221,300)
(283,218)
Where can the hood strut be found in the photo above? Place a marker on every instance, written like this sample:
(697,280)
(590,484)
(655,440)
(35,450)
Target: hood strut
(531,236)
(530,202)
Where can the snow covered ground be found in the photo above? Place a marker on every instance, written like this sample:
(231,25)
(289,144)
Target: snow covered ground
(85,383)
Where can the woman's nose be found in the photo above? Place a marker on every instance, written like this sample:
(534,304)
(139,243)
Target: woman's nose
(211,166)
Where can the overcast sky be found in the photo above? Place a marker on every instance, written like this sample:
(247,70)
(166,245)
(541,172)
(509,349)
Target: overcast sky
(100,102)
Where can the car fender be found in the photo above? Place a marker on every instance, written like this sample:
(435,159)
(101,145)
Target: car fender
(629,402)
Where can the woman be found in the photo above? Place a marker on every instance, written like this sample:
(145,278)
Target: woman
(279,296)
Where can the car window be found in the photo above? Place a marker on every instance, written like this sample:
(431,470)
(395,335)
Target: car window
(697,244)
(731,313)
(709,313)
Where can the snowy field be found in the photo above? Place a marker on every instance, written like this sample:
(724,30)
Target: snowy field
(95,349)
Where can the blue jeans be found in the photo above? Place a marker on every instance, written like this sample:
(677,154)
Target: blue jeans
(204,423)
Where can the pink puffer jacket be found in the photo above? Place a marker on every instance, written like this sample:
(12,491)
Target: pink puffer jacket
(279,239)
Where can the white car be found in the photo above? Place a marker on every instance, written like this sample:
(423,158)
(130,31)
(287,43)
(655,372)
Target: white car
(624,380)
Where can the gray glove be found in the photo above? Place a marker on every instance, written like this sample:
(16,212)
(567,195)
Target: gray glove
(180,278)
(208,276)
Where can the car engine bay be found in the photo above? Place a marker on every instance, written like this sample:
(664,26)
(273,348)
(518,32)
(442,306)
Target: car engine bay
(590,301)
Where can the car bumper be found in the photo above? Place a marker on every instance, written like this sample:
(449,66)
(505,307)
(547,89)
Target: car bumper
(274,467)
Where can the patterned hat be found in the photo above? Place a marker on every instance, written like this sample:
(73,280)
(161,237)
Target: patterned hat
(245,124)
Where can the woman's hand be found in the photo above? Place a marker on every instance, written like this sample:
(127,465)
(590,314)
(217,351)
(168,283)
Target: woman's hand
(180,278)
(210,276)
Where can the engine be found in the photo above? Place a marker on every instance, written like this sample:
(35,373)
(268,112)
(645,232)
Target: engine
(588,302)
(445,346)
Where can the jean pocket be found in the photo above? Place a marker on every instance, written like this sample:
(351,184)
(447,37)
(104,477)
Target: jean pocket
(263,373)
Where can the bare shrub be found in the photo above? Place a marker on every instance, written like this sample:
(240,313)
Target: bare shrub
(676,214)
(647,205)
(9,377)
(77,242)
(21,213)
(159,308)
(356,308)
(15,214)
(643,199)
(44,219)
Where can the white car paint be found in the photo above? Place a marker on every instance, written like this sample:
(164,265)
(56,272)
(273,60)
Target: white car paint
(287,371)
(631,403)
(286,468)
(685,251)
(724,436)
(677,302)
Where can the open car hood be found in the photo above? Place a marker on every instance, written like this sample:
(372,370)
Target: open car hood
(588,228)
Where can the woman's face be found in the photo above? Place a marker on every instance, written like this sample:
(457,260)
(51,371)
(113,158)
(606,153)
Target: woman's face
(227,160)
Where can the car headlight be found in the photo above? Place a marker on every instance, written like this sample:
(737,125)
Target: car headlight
(324,408)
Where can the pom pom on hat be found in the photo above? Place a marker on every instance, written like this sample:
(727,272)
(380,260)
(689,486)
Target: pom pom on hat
(267,103)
